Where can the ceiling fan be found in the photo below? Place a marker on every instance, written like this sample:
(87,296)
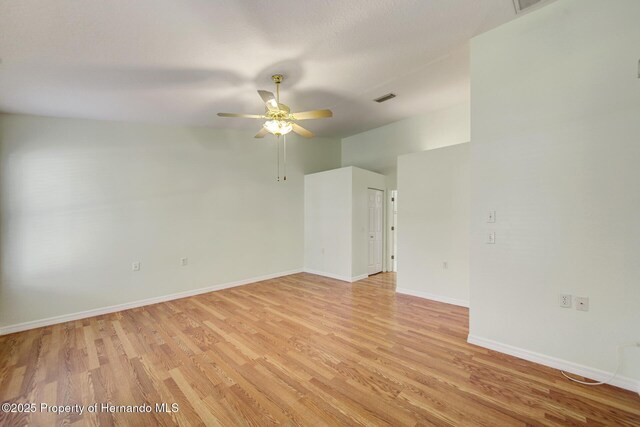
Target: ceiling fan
(279,120)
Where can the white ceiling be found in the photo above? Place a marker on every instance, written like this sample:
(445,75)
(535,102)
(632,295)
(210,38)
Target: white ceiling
(171,61)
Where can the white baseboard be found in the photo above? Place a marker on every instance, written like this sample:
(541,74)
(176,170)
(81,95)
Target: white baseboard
(426,295)
(361,277)
(336,276)
(553,362)
(329,275)
(10,329)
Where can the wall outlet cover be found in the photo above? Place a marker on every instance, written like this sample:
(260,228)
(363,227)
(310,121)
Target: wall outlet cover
(564,301)
(582,303)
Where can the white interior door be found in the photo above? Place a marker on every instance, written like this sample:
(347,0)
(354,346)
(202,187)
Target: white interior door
(394,231)
(375,231)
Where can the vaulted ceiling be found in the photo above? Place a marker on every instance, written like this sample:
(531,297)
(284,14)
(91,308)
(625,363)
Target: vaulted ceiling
(181,62)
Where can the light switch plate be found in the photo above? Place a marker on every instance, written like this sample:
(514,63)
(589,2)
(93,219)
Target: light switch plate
(492,238)
(491,217)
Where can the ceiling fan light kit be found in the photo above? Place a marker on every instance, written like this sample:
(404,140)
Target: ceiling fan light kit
(278,127)
(279,120)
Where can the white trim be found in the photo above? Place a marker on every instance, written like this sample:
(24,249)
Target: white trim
(336,276)
(329,275)
(10,329)
(553,362)
(426,295)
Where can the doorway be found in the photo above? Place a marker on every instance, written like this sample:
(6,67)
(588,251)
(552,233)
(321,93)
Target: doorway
(376,251)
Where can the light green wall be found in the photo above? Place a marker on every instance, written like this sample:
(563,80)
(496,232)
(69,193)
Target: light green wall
(81,200)
(377,150)
(555,125)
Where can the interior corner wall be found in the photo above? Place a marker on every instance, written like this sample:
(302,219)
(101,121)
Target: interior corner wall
(336,222)
(363,180)
(555,120)
(328,224)
(80,200)
(377,150)
(433,224)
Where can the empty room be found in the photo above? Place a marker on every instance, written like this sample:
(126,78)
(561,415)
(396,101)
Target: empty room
(320,213)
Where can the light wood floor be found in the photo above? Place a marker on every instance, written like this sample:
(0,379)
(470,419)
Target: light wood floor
(296,350)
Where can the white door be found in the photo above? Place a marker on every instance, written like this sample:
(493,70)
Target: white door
(394,231)
(375,231)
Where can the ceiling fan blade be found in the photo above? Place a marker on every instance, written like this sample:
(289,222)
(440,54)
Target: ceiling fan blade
(314,114)
(244,116)
(302,131)
(261,133)
(269,100)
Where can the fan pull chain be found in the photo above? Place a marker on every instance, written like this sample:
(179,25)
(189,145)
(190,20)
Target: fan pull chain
(278,158)
(285,156)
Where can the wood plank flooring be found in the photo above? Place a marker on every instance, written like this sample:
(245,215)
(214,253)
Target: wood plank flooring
(298,350)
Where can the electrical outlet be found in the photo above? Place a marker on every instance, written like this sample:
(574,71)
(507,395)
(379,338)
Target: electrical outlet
(564,301)
(135,266)
(492,216)
(492,238)
(582,303)
(184,261)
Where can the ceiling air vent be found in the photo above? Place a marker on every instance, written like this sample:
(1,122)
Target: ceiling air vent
(385,97)
(521,5)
